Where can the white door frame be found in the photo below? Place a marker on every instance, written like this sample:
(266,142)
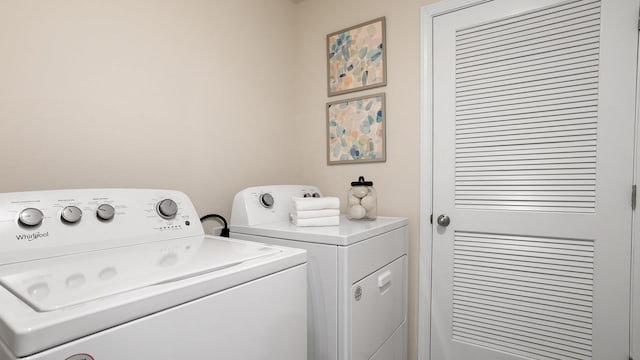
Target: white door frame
(635,239)
(427,14)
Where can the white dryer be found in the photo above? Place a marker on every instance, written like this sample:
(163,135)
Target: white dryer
(112,274)
(357,274)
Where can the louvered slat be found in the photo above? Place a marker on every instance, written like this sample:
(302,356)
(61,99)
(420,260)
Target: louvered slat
(526,111)
(581,122)
(541,61)
(524,99)
(530,67)
(525,148)
(522,22)
(567,87)
(548,336)
(573,22)
(530,296)
(584,274)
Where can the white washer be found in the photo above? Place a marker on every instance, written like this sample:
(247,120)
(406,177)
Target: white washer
(357,274)
(112,274)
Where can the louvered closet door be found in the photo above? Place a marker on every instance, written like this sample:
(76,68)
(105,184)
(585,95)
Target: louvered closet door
(533,129)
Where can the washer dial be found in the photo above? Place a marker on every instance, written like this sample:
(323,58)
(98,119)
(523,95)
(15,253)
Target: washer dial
(71,214)
(105,212)
(167,209)
(30,217)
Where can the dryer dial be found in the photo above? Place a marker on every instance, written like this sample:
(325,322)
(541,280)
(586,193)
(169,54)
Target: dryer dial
(167,209)
(267,200)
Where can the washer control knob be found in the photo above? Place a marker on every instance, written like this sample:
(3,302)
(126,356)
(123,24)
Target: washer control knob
(71,214)
(105,212)
(30,217)
(167,209)
(267,200)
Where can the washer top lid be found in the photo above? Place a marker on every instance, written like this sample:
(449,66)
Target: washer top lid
(347,233)
(55,283)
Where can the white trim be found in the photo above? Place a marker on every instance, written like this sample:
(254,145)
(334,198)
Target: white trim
(634,332)
(427,13)
(426,153)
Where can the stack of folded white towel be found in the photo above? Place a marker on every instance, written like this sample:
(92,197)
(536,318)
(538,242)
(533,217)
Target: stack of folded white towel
(310,211)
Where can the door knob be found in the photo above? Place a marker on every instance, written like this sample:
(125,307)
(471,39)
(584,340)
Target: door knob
(444,220)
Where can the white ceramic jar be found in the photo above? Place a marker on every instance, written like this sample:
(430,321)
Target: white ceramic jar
(362,201)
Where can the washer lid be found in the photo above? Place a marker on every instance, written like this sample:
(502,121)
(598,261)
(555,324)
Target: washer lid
(55,283)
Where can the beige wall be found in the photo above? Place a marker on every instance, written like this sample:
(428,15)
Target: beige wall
(203,96)
(398,180)
(193,95)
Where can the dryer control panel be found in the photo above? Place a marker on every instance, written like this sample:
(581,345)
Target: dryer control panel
(41,224)
(267,204)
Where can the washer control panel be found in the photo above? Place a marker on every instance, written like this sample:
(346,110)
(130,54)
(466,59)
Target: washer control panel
(41,224)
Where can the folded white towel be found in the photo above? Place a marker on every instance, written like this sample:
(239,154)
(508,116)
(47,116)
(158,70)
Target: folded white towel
(323,221)
(310,203)
(309,214)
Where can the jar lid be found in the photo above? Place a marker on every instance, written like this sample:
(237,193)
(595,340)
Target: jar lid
(361,182)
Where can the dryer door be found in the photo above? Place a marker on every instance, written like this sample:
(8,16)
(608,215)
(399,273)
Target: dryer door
(377,308)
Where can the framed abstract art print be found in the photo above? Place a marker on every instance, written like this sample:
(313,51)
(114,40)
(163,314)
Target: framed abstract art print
(356,58)
(356,130)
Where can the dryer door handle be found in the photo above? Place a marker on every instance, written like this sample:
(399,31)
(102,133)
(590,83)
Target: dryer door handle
(384,280)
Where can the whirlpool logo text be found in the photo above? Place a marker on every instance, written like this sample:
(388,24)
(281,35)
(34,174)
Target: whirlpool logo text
(31,237)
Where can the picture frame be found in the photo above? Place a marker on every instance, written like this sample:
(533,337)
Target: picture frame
(356,130)
(357,58)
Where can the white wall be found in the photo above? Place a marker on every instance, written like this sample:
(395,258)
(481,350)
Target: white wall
(193,95)
(398,179)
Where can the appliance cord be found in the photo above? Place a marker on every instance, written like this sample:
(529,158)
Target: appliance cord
(225,231)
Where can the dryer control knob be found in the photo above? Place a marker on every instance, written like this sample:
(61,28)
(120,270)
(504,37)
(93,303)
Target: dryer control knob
(167,209)
(71,214)
(267,200)
(105,212)
(30,217)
